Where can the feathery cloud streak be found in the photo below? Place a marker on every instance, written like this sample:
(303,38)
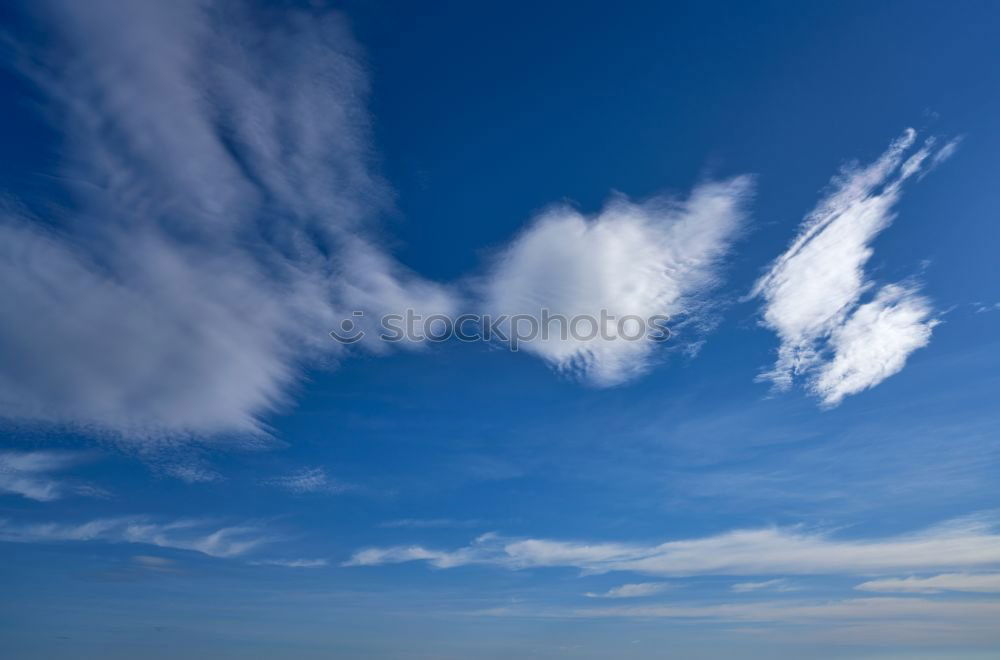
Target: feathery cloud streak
(291,563)
(971,582)
(217,161)
(635,590)
(970,542)
(195,535)
(29,474)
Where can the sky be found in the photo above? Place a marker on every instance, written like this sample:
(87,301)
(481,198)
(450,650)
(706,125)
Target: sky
(194,195)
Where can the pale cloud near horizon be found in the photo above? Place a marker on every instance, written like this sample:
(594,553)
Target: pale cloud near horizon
(219,167)
(969,582)
(787,611)
(659,257)
(874,620)
(813,293)
(851,620)
(778,584)
(962,543)
(184,534)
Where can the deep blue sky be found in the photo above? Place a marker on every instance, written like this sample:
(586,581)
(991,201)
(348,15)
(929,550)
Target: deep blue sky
(480,116)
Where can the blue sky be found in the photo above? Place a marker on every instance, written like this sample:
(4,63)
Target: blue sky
(196,193)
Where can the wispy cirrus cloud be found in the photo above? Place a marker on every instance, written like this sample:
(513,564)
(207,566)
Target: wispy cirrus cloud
(778,584)
(185,534)
(963,543)
(31,474)
(291,563)
(813,293)
(308,480)
(634,590)
(659,257)
(192,473)
(971,582)
(219,169)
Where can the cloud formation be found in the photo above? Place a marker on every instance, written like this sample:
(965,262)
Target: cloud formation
(968,542)
(972,582)
(778,584)
(291,563)
(29,474)
(636,590)
(813,292)
(307,480)
(185,534)
(632,259)
(217,224)
(874,342)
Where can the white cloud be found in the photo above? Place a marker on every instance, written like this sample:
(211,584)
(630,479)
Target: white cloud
(874,343)
(972,582)
(654,258)
(779,584)
(308,480)
(636,590)
(813,292)
(403,554)
(968,542)
(292,563)
(194,535)
(28,473)
(982,308)
(218,163)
